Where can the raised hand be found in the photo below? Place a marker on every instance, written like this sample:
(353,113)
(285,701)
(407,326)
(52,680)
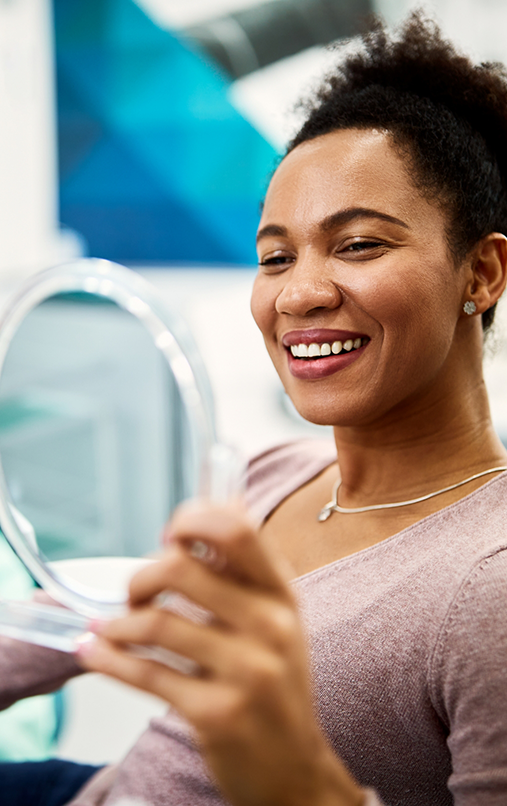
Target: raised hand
(250,696)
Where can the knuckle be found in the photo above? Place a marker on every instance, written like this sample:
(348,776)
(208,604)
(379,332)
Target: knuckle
(147,676)
(285,626)
(222,713)
(155,623)
(237,533)
(261,673)
(278,625)
(175,565)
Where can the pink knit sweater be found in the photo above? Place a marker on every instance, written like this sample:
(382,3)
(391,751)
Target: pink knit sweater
(408,642)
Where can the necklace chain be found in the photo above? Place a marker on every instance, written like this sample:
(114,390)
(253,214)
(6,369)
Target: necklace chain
(333,505)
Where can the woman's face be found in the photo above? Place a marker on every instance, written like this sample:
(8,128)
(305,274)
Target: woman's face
(354,260)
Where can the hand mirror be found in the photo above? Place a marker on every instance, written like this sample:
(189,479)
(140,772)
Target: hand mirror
(106,423)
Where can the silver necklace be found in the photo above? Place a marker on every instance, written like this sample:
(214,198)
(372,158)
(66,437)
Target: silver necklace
(333,505)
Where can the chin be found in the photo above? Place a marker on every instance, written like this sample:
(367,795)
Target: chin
(325,414)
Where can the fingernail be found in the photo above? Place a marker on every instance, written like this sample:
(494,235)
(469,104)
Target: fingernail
(96,626)
(167,536)
(85,645)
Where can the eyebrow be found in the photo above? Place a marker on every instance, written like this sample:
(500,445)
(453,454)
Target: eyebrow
(351,213)
(335,220)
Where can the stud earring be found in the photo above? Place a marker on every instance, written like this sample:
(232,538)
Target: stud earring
(470,307)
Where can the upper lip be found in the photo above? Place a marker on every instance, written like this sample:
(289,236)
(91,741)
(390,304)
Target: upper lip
(319,336)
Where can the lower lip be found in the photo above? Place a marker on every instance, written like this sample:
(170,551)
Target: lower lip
(313,369)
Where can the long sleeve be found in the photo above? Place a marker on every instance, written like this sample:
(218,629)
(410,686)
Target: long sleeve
(26,670)
(165,767)
(469,684)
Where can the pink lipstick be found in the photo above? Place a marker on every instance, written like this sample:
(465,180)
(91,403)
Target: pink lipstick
(317,353)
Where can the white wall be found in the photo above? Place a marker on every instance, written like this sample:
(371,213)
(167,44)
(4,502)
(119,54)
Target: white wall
(29,237)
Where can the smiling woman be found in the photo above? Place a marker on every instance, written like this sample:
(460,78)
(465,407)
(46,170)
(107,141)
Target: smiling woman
(364,251)
(352,651)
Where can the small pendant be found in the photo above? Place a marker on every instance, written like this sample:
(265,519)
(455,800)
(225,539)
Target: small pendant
(325,513)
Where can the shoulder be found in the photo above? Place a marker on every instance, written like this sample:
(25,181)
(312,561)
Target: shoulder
(468,681)
(471,648)
(277,472)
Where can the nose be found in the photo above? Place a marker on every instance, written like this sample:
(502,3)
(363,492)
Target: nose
(308,286)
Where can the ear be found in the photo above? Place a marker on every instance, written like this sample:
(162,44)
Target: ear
(489,272)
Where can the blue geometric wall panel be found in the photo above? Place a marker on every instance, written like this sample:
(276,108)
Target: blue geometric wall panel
(155,163)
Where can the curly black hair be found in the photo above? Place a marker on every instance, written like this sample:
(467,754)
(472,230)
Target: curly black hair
(447,116)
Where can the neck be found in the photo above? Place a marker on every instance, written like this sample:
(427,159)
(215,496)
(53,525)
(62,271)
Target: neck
(418,449)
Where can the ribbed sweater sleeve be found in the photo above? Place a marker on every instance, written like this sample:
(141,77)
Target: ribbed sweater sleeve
(468,684)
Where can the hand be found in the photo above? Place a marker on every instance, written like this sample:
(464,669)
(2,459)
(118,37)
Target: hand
(250,701)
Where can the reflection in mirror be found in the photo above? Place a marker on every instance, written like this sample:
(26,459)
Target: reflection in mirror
(94,441)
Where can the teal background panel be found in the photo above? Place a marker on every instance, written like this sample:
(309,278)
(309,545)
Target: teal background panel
(155,162)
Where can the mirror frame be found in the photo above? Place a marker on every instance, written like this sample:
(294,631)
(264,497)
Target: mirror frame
(134,294)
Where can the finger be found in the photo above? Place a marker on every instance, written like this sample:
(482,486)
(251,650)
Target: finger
(270,616)
(230,533)
(207,646)
(228,660)
(201,701)
(100,655)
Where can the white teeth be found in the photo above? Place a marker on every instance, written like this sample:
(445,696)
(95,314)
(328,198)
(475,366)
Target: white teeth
(315,350)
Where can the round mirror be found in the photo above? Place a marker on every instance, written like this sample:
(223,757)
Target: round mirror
(105,424)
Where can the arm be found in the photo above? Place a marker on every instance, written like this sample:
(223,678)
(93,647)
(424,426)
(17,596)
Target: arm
(26,670)
(468,684)
(250,702)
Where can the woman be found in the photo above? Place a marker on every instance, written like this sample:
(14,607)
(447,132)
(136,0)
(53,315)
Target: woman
(382,255)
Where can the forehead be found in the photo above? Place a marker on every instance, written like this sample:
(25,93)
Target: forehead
(340,170)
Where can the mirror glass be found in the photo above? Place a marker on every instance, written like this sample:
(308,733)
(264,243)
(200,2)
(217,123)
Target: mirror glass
(103,428)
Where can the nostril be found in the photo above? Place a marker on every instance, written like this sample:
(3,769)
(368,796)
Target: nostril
(305,299)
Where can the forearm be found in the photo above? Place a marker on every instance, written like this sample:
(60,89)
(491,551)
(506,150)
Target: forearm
(26,670)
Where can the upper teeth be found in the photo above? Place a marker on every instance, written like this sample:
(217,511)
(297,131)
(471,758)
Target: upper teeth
(313,350)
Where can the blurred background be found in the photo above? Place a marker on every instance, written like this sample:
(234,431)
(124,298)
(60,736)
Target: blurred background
(146,132)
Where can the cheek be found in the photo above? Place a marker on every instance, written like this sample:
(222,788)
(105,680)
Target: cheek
(262,305)
(406,301)
(417,317)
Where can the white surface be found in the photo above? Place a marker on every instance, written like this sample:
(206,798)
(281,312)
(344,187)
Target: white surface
(29,235)
(269,98)
(175,14)
(110,575)
(103,719)
(476,26)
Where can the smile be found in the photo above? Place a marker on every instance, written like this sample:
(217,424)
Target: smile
(315,350)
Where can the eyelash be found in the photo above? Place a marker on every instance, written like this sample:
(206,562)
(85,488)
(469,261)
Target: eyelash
(279,260)
(356,246)
(362,245)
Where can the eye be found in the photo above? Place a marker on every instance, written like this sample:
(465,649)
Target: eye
(364,248)
(276,261)
(355,247)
